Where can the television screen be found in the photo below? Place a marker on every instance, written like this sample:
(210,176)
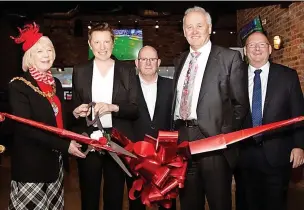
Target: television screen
(127,44)
(64,76)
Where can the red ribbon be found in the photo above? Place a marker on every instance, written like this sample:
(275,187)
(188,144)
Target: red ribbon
(161,166)
(100,144)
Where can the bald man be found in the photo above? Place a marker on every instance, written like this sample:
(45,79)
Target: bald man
(154,103)
(266,161)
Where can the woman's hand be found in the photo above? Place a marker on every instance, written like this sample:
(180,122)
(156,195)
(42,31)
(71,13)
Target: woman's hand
(82,111)
(104,108)
(74,149)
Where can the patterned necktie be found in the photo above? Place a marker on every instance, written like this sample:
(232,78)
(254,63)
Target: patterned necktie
(186,99)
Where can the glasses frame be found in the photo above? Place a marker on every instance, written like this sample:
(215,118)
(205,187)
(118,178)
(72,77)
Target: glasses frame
(144,60)
(265,45)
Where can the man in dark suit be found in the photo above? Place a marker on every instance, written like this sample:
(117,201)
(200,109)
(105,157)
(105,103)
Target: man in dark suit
(266,160)
(154,103)
(210,98)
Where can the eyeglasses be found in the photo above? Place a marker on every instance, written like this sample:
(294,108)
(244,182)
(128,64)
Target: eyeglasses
(260,45)
(148,59)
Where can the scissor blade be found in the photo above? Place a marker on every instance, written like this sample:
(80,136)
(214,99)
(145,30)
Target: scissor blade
(120,149)
(120,163)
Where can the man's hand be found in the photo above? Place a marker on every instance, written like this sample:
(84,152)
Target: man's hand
(297,157)
(82,111)
(104,108)
(74,149)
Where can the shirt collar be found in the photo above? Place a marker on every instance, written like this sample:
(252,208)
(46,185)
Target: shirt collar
(264,68)
(142,81)
(205,48)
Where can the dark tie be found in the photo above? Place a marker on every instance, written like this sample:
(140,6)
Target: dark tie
(257,101)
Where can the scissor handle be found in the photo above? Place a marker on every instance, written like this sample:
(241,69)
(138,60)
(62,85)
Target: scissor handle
(96,119)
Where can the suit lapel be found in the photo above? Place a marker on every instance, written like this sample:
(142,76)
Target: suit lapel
(142,99)
(210,71)
(116,83)
(158,100)
(88,80)
(179,67)
(270,90)
(178,70)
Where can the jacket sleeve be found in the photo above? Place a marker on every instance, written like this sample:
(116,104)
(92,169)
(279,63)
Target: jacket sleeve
(239,90)
(22,107)
(76,125)
(129,109)
(297,109)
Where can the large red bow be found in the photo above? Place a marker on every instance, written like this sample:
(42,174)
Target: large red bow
(162,163)
(161,166)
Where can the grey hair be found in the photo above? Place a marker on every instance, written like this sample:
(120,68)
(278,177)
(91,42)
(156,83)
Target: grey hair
(27,60)
(201,10)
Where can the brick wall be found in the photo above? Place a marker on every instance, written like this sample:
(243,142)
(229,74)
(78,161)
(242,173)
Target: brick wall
(286,22)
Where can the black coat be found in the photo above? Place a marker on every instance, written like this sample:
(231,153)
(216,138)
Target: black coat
(284,100)
(161,119)
(35,156)
(124,95)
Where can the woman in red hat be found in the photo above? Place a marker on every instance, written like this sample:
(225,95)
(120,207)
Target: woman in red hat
(37,156)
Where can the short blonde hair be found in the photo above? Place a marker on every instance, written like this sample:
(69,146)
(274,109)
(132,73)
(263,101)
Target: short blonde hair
(201,10)
(27,61)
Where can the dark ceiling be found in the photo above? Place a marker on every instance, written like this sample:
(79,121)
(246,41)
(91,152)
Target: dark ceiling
(32,9)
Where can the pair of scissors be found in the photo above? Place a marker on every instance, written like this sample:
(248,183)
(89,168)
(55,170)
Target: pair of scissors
(110,143)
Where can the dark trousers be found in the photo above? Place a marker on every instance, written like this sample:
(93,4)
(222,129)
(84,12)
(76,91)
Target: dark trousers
(137,204)
(90,171)
(265,187)
(240,201)
(208,174)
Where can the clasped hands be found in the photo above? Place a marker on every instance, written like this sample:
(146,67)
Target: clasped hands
(83,111)
(101,108)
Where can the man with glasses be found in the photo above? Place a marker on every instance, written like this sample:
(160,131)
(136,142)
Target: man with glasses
(210,99)
(266,160)
(154,103)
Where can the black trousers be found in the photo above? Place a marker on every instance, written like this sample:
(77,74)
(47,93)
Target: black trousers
(208,174)
(137,204)
(240,199)
(265,187)
(90,171)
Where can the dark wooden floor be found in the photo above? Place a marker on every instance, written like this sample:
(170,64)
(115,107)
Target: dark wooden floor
(72,194)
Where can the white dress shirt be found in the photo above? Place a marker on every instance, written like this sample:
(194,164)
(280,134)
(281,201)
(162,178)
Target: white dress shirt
(150,93)
(102,90)
(264,79)
(202,62)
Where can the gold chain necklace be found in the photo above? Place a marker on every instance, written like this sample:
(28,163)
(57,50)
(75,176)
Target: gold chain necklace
(36,89)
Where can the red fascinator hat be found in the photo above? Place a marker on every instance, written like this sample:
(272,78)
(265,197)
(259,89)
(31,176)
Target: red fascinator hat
(29,35)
